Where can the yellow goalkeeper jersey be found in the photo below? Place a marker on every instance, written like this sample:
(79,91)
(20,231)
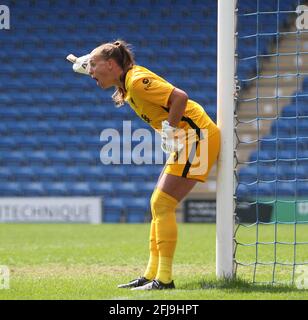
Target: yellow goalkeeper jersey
(148,96)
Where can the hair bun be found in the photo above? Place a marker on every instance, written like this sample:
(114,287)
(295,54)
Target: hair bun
(117,43)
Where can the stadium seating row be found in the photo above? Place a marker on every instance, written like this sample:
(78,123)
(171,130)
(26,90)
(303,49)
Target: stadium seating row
(108,189)
(82,173)
(50,130)
(272,189)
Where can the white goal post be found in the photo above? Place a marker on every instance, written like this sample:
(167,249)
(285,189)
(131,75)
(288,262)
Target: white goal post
(226,90)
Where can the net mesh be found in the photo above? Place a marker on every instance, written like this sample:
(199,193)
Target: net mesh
(271,130)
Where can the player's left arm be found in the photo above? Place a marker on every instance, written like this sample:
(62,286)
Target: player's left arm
(166,95)
(162,94)
(177,103)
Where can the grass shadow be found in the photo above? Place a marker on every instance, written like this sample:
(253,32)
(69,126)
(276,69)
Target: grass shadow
(240,285)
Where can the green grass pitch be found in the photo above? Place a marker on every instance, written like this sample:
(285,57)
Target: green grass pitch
(59,261)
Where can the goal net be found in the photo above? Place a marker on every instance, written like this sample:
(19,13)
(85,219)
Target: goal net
(269,149)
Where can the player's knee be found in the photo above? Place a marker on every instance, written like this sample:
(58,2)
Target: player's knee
(162,203)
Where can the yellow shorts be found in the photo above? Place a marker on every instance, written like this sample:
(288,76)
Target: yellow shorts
(196,160)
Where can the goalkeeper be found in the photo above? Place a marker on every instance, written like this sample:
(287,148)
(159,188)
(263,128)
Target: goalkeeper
(168,110)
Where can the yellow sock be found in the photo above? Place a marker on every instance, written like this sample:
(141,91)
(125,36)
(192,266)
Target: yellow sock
(164,207)
(164,273)
(151,269)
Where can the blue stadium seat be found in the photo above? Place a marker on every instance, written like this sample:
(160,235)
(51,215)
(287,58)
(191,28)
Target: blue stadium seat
(302,188)
(6,173)
(69,173)
(85,157)
(284,128)
(59,157)
(4,130)
(84,127)
(289,111)
(89,173)
(145,189)
(105,189)
(286,189)
(22,174)
(71,142)
(9,114)
(246,191)
(55,113)
(248,174)
(249,189)
(286,154)
(27,142)
(267,173)
(113,209)
(33,189)
(110,217)
(125,188)
(38,128)
(56,189)
(32,113)
(49,143)
(302,127)
(135,217)
(8,189)
(266,189)
(79,189)
(13,158)
(300,98)
(45,174)
(61,127)
(305,84)
(262,155)
(5,100)
(139,173)
(136,209)
(114,173)
(268,143)
(23,99)
(37,157)
(92,141)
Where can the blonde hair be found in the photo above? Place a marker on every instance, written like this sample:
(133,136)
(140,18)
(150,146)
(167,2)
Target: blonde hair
(121,52)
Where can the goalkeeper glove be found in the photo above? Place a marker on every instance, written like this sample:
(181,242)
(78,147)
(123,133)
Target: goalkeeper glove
(80,64)
(168,142)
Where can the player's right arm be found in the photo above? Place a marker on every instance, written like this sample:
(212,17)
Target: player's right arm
(80,64)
